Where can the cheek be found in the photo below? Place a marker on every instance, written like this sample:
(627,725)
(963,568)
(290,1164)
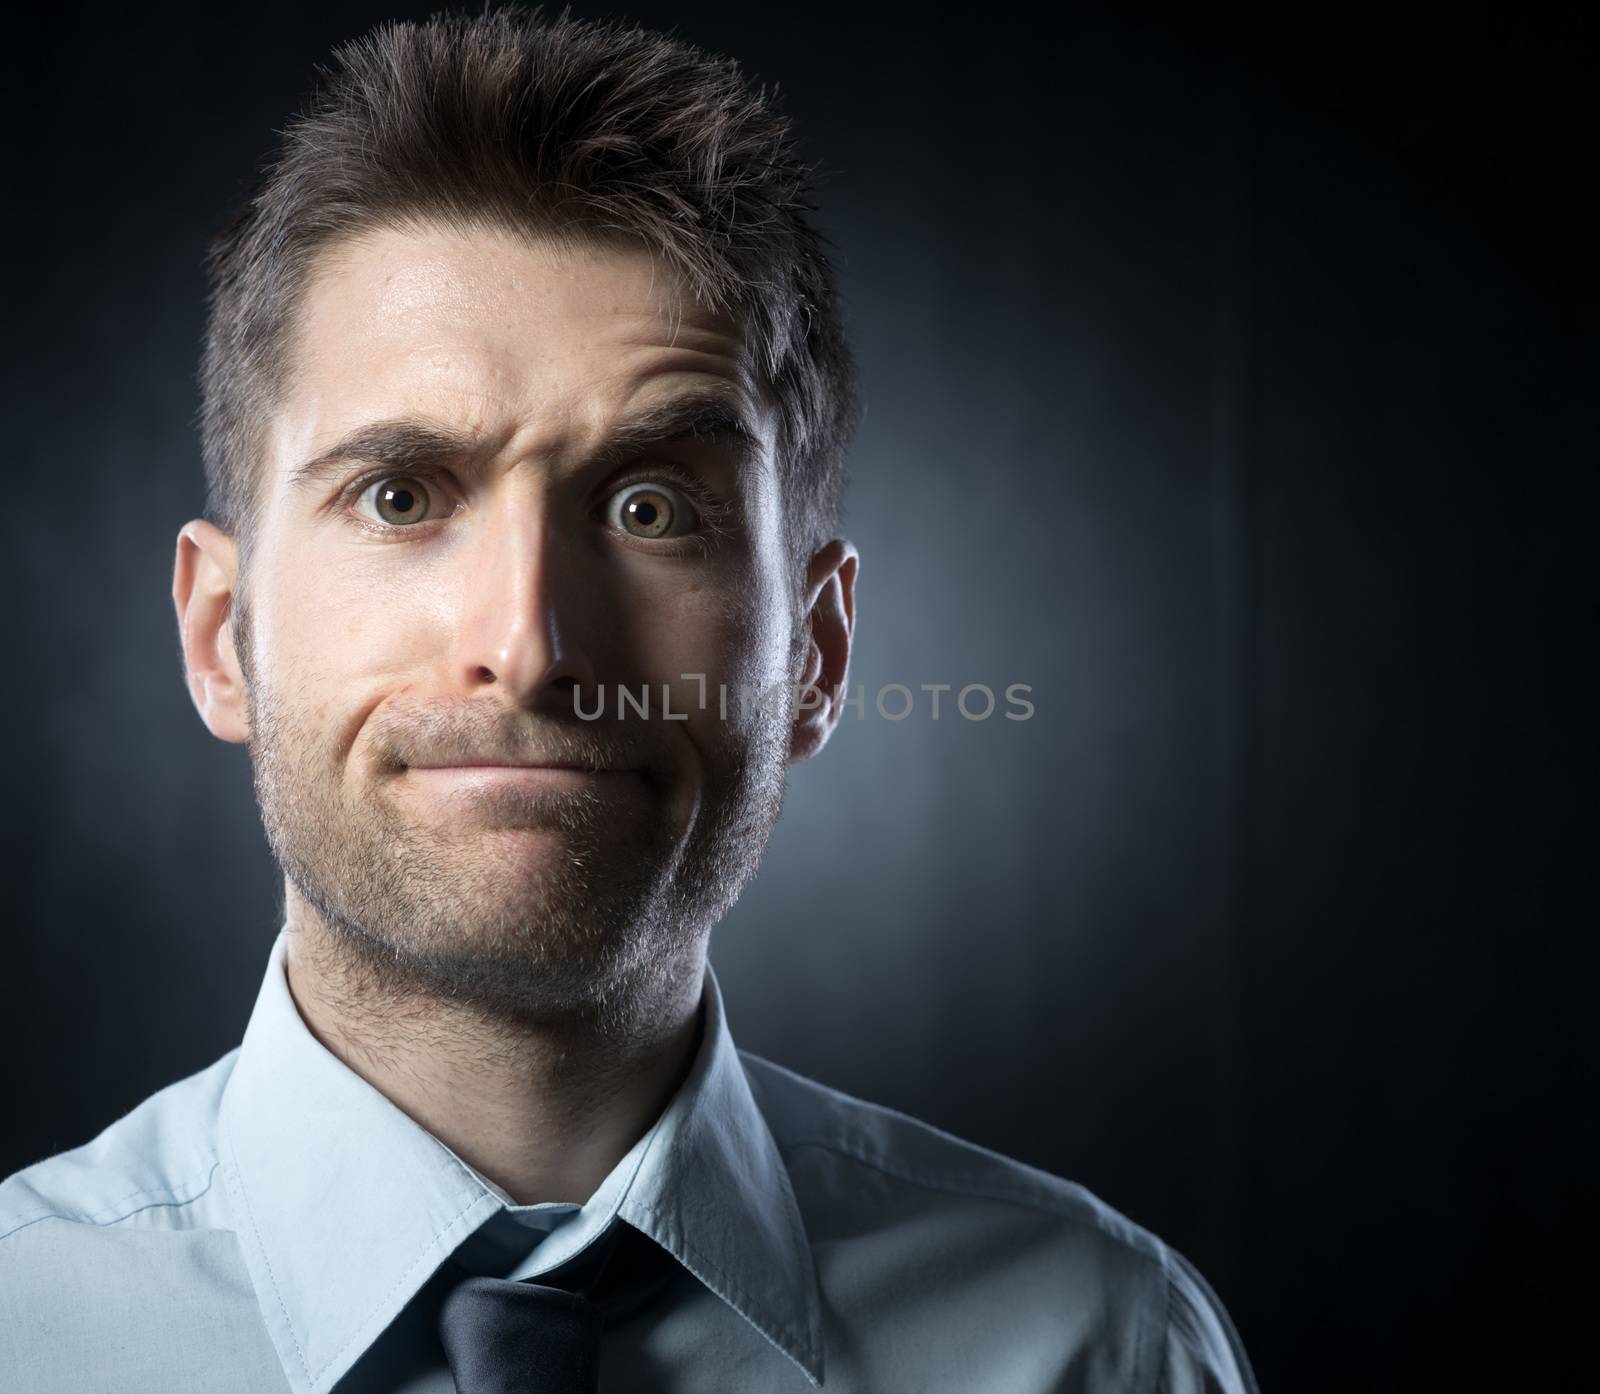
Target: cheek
(728,619)
(328,649)
(365,603)
(735,635)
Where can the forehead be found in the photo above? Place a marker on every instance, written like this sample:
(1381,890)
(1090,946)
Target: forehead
(498,334)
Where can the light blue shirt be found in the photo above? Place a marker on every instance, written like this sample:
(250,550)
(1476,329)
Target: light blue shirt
(274,1223)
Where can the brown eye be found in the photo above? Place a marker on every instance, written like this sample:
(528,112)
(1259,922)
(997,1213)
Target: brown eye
(651,511)
(400,500)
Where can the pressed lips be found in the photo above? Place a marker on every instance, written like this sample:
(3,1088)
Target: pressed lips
(488,774)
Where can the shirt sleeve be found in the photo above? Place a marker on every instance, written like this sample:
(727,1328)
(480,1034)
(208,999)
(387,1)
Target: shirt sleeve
(1202,1353)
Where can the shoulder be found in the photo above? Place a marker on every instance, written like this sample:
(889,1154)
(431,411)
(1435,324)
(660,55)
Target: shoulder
(805,1115)
(138,1214)
(162,1154)
(907,1200)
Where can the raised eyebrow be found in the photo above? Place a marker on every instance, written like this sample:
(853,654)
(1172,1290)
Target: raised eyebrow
(412,445)
(712,418)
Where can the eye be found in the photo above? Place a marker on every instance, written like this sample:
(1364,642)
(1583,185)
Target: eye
(651,511)
(400,500)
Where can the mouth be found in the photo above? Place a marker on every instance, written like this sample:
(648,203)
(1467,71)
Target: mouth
(509,765)
(510,779)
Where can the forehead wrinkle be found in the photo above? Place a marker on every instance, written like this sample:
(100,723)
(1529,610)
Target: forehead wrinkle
(579,414)
(371,266)
(607,432)
(524,400)
(503,383)
(497,435)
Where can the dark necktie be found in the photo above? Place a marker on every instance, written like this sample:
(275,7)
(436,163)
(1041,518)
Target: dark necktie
(504,1337)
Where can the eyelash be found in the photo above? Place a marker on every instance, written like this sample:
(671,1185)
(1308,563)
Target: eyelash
(713,511)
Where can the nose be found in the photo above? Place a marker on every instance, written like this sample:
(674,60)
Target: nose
(520,623)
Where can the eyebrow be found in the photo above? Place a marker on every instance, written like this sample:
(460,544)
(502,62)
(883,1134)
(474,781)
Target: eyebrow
(409,444)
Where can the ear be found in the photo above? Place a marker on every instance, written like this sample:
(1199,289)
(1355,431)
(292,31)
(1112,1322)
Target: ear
(830,615)
(203,580)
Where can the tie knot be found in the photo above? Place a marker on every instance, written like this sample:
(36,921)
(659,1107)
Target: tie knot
(504,1337)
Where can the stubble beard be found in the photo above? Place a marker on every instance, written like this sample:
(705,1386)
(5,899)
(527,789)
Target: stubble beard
(605,930)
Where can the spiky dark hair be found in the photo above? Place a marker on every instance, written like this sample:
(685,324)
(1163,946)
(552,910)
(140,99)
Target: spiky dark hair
(598,131)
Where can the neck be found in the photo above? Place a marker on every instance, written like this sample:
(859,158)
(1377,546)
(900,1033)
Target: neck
(544,1110)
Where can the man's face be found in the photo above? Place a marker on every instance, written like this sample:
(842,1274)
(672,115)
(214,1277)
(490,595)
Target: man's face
(540,475)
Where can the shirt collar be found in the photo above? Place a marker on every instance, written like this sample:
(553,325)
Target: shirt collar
(346,1206)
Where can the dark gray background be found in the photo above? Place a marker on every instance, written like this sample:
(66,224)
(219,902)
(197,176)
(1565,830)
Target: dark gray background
(1223,386)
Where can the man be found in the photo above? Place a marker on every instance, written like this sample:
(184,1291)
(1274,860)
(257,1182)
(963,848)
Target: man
(525,403)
